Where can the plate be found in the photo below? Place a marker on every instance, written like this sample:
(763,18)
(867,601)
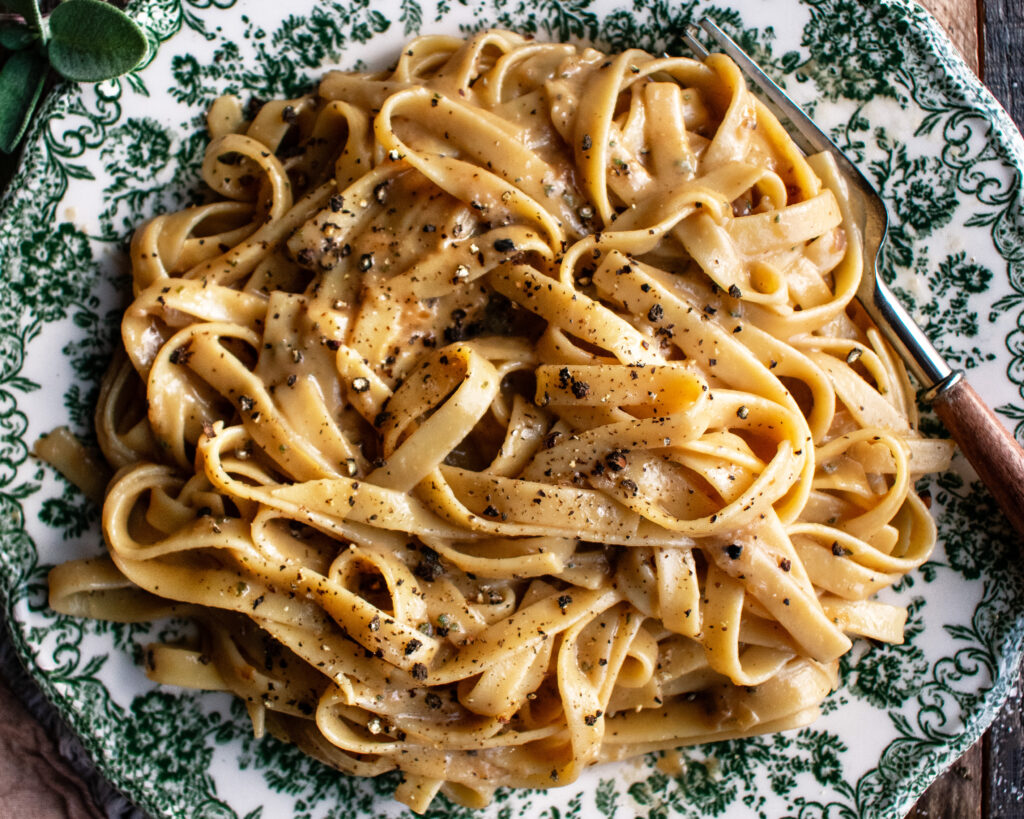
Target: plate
(101,158)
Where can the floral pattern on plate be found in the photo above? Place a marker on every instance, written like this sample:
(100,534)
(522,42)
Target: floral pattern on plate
(881,77)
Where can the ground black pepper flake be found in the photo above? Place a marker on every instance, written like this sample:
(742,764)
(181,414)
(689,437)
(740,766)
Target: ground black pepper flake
(375,623)
(413,646)
(289,114)
(587,142)
(735,292)
(429,567)
(366,262)
(419,672)
(382,418)
(433,701)
(564,601)
(616,460)
(182,354)
(838,550)
(246,403)
(580,389)
(504,245)
(630,486)
(742,412)
(785,564)
(490,511)
(734,550)
(337,202)
(655,313)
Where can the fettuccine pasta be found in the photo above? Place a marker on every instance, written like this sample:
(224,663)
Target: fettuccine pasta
(505,413)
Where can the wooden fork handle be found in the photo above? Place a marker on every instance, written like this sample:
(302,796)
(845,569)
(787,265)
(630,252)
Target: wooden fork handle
(985,442)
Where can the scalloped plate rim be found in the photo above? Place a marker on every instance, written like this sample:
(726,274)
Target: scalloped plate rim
(1003,130)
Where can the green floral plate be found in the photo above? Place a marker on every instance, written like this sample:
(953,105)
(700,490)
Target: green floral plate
(100,159)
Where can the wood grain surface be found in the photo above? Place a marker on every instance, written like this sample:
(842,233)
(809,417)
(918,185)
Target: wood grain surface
(960,20)
(988,781)
(1003,54)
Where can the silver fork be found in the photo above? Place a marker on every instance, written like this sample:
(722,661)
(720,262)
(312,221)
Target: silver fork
(991,449)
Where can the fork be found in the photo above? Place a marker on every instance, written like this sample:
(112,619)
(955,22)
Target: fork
(993,451)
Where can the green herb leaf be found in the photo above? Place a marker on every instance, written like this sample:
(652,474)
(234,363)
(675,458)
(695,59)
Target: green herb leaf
(92,41)
(21,84)
(15,36)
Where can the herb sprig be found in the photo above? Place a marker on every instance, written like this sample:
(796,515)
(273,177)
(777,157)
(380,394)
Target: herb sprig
(81,40)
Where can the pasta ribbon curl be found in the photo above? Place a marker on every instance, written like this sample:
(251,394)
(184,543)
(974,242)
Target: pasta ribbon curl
(504,413)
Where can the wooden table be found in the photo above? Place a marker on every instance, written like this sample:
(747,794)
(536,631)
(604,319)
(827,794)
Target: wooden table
(988,781)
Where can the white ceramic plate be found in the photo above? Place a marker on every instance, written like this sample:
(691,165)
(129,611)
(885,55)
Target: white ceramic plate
(103,158)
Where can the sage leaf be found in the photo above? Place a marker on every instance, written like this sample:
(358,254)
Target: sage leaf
(92,41)
(15,36)
(21,84)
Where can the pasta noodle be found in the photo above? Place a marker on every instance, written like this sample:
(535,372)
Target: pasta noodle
(504,413)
